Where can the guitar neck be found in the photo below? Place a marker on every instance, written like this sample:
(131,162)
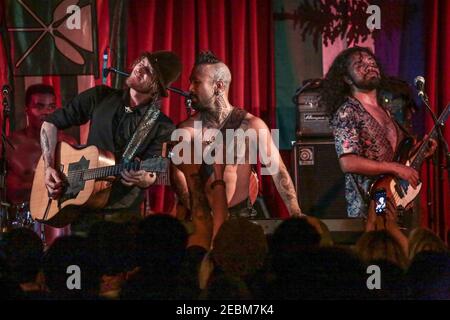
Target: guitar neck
(420,155)
(103,172)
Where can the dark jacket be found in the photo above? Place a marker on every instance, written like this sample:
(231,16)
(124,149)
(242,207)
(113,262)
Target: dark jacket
(111,128)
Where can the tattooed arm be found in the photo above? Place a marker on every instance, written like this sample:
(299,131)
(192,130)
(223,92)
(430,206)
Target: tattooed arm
(285,187)
(271,158)
(48,144)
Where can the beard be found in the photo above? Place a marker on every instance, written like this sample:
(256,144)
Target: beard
(367,83)
(145,87)
(200,106)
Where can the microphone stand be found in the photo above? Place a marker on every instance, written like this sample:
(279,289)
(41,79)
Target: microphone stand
(4,217)
(108,70)
(442,143)
(440,136)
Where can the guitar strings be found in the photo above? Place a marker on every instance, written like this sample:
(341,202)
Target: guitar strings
(80,173)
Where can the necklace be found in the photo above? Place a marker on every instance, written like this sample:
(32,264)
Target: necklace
(210,141)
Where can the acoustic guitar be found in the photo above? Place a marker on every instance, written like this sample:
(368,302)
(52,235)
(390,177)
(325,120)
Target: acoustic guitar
(87,174)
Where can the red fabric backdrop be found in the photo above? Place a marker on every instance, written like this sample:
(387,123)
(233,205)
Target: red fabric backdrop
(239,32)
(437,214)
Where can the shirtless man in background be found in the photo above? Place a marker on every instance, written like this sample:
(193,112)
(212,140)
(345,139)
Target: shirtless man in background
(40,101)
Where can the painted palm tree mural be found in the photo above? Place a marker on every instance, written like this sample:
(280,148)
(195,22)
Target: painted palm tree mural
(66,26)
(329,20)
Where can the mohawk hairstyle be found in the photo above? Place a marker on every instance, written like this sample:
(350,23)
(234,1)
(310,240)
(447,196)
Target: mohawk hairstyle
(206,57)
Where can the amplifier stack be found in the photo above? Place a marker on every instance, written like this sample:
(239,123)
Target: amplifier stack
(318,178)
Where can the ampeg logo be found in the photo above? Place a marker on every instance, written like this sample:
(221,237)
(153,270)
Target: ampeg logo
(52,37)
(316,117)
(306,156)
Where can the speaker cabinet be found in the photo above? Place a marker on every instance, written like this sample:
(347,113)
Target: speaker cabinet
(319,180)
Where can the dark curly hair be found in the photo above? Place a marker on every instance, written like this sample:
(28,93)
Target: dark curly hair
(206,57)
(334,89)
(38,88)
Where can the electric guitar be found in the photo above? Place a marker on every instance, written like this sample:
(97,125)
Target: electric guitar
(87,174)
(398,192)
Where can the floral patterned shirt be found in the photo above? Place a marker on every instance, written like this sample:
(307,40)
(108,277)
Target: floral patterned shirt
(357,132)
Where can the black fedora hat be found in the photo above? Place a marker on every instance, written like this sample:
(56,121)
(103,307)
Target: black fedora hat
(167,66)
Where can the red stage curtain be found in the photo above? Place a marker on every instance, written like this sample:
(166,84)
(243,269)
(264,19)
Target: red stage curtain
(241,33)
(438,76)
(238,32)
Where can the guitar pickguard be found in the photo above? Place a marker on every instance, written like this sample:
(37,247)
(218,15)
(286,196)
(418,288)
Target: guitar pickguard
(403,193)
(74,179)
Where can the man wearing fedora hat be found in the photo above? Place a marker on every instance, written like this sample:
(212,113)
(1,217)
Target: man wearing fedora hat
(114,116)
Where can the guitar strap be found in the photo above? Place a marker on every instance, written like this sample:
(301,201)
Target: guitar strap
(124,198)
(142,131)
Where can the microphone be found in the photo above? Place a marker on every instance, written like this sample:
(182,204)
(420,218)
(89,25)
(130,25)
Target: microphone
(6,90)
(419,83)
(108,70)
(105,70)
(180,92)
